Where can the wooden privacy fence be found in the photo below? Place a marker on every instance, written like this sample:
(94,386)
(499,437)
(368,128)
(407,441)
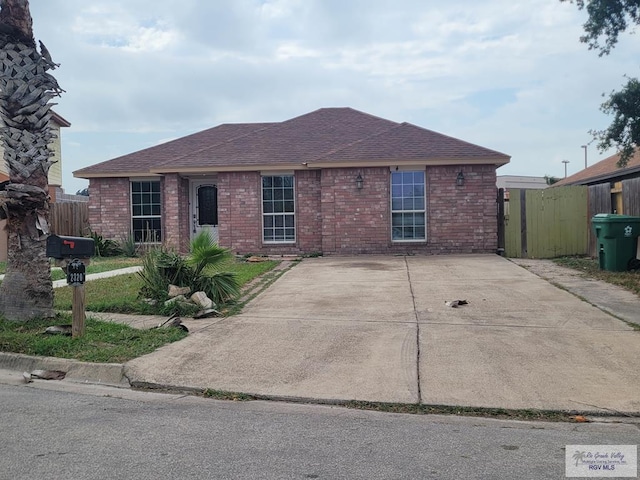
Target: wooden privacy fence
(69,218)
(623,197)
(546,223)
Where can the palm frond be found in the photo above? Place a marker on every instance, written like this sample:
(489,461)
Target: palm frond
(206,254)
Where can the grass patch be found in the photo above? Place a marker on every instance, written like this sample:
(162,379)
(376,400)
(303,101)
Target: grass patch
(500,413)
(233,396)
(247,271)
(101,264)
(415,408)
(590,268)
(98,265)
(119,294)
(102,342)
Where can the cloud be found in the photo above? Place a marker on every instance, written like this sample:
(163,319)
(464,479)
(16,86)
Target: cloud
(511,76)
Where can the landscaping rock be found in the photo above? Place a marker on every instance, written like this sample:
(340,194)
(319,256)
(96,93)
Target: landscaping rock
(201,299)
(175,291)
(179,298)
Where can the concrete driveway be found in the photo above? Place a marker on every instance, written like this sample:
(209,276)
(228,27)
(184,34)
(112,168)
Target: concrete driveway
(376,328)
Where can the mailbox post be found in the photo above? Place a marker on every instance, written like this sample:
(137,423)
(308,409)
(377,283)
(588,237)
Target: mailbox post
(72,254)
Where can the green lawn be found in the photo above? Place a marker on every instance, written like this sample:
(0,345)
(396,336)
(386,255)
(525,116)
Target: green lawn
(105,341)
(97,265)
(120,294)
(102,342)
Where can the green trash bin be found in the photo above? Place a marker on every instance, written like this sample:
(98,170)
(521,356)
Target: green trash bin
(617,241)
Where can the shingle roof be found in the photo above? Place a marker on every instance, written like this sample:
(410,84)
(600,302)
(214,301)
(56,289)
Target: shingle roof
(602,171)
(292,142)
(327,135)
(143,161)
(409,142)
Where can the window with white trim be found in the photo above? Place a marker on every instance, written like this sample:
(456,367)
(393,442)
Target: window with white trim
(278,209)
(146,217)
(408,211)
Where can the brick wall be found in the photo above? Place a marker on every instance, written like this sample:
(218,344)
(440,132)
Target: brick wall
(462,219)
(184,224)
(332,215)
(109,207)
(355,221)
(335,217)
(239,210)
(240,214)
(171,211)
(308,212)
(175,205)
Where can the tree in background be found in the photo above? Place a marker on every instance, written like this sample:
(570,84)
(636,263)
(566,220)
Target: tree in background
(607,20)
(550,179)
(25,93)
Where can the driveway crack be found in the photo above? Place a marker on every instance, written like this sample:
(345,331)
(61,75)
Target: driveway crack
(415,313)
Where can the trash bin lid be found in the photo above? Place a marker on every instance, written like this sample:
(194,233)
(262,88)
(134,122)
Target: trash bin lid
(614,218)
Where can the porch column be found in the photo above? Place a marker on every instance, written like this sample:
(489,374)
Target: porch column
(172,211)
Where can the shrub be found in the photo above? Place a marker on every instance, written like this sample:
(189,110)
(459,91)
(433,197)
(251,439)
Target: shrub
(105,247)
(128,246)
(200,271)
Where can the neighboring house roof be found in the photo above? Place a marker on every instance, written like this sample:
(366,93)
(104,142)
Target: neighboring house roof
(604,171)
(60,120)
(332,136)
(521,181)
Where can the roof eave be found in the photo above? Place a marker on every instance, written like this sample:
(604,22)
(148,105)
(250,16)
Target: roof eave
(299,166)
(60,120)
(604,176)
(79,174)
(410,161)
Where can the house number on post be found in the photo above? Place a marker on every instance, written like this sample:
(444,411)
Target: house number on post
(75,273)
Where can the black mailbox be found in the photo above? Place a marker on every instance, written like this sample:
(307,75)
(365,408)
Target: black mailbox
(70,247)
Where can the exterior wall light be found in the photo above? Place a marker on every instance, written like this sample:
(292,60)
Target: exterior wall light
(460,179)
(359,182)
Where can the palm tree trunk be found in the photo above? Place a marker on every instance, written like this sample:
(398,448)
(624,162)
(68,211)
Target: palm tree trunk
(25,93)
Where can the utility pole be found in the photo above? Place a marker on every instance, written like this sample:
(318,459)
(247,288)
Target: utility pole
(565,167)
(585,155)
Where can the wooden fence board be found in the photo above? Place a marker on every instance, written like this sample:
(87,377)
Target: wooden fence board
(631,196)
(69,218)
(547,223)
(561,222)
(557,221)
(512,228)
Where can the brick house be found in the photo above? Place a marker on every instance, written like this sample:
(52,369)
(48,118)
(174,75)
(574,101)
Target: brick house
(336,181)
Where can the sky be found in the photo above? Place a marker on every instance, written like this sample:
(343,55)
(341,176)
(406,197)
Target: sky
(504,74)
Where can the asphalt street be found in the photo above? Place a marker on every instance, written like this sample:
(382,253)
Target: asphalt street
(52,430)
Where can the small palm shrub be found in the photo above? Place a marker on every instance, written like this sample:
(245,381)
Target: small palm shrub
(128,246)
(200,270)
(105,247)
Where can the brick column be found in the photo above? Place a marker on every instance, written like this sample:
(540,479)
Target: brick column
(171,211)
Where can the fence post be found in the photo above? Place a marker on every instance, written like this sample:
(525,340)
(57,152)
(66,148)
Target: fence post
(523,223)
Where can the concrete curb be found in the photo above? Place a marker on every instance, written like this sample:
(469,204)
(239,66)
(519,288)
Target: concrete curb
(603,415)
(85,372)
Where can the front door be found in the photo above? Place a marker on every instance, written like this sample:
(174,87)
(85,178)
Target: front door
(204,208)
